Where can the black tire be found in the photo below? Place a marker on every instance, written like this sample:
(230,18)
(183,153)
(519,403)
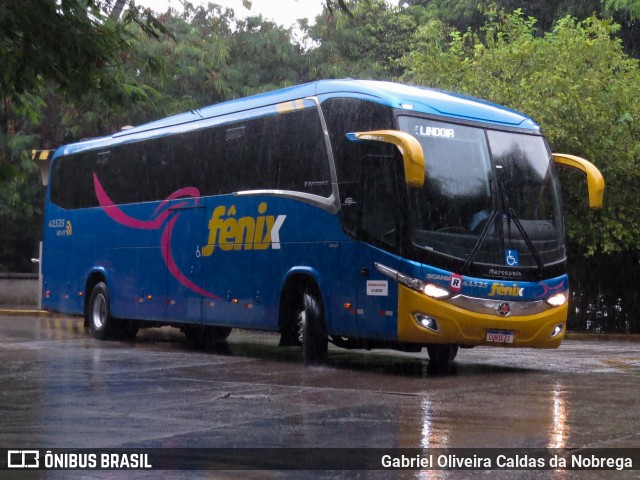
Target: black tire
(99,312)
(127,329)
(442,355)
(214,336)
(194,335)
(313,335)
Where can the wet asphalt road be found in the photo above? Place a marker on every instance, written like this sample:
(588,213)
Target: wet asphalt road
(60,388)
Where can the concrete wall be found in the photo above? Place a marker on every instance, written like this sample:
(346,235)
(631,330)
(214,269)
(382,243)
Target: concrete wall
(19,289)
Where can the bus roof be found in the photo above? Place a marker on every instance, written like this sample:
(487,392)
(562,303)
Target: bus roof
(395,95)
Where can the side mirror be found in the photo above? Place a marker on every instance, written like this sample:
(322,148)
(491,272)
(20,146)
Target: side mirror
(410,148)
(595,180)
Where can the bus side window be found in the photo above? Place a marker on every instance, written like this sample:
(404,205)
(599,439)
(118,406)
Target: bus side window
(380,213)
(302,153)
(344,115)
(240,168)
(72,181)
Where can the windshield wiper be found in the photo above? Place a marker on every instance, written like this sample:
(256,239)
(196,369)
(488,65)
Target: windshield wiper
(483,235)
(511,214)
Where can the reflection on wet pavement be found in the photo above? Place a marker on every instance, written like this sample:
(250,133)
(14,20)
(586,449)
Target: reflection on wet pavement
(62,388)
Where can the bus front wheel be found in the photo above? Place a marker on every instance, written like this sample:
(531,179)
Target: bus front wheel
(312,333)
(99,312)
(442,355)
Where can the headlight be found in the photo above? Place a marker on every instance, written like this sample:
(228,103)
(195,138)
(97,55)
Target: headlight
(429,289)
(435,291)
(558,299)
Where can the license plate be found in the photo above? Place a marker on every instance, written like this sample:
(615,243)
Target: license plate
(500,336)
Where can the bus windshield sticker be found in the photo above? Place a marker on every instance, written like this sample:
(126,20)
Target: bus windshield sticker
(439,132)
(456,282)
(512,258)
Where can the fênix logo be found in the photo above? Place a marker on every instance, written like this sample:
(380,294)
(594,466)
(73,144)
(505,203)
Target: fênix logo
(500,289)
(245,233)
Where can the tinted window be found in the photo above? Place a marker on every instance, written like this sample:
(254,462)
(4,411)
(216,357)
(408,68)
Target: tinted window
(300,153)
(381,214)
(344,115)
(285,152)
(71,181)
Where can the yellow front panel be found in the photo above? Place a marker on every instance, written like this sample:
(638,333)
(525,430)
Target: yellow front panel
(459,326)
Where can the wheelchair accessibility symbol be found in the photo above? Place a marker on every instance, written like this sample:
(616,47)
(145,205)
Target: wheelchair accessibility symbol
(512,258)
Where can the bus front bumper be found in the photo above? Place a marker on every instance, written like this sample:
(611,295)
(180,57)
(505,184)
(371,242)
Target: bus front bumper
(450,324)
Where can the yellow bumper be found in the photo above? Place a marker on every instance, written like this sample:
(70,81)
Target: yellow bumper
(462,327)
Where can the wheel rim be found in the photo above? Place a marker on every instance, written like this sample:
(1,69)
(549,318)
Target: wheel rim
(302,319)
(99,311)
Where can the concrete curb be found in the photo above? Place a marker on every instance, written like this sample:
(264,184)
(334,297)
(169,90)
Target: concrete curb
(623,337)
(25,312)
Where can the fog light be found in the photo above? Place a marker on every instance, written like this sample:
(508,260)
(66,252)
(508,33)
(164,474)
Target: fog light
(557,330)
(426,321)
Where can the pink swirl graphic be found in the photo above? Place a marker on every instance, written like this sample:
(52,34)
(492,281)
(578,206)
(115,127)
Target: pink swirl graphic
(547,290)
(171,264)
(160,215)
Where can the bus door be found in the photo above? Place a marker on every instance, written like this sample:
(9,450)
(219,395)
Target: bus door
(227,260)
(182,243)
(379,229)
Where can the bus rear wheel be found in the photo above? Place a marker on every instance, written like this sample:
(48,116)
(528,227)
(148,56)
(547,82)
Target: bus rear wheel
(99,312)
(442,355)
(312,333)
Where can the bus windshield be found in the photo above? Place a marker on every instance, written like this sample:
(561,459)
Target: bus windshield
(489,197)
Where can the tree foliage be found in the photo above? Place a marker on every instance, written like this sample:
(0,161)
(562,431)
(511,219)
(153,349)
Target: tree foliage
(73,43)
(365,44)
(72,47)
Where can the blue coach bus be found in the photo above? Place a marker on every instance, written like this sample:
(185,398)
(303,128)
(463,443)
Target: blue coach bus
(366,214)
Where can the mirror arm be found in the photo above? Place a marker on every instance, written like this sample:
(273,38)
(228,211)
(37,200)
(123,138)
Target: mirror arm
(595,180)
(410,148)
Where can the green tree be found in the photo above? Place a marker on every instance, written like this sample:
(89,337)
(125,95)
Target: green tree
(213,56)
(464,14)
(630,7)
(72,46)
(367,43)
